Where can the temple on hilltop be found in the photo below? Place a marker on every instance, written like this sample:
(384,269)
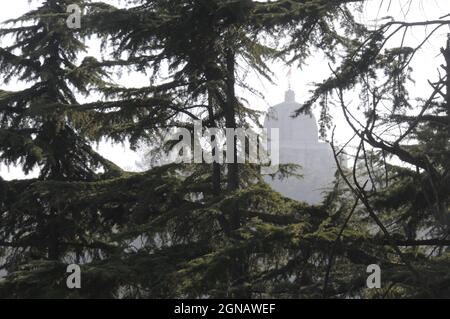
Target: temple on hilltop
(299,144)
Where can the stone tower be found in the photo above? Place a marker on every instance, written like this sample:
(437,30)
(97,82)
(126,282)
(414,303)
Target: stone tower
(299,144)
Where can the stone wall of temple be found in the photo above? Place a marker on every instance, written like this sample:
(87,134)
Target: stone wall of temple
(299,144)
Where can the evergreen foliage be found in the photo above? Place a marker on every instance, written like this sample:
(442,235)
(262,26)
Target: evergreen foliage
(200,230)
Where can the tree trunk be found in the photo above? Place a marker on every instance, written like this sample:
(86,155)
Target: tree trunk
(216,174)
(53,238)
(230,119)
(447,59)
(239,268)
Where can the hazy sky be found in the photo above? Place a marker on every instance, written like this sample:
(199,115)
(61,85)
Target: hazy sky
(316,69)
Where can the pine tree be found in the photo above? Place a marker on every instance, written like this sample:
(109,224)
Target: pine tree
(42,129)
(254,241)
(404,205)
(173,231)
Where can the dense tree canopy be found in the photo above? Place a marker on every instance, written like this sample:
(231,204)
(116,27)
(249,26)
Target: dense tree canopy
(214,230)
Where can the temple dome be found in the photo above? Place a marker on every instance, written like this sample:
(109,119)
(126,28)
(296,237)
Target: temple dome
(293,130)
(299,144)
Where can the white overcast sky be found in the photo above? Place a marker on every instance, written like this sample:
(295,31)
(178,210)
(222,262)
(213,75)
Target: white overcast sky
(316,69)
